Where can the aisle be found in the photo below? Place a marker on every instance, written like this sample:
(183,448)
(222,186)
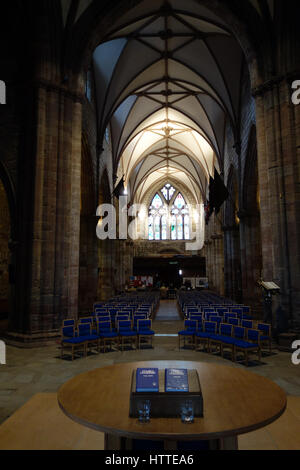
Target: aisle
(167,320)
(168,311)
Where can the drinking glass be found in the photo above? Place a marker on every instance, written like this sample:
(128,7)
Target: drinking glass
(187,412)
(144,411)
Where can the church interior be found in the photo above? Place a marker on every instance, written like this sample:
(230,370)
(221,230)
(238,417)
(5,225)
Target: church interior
(149,165)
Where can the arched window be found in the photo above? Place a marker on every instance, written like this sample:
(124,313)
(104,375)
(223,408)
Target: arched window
(169,216)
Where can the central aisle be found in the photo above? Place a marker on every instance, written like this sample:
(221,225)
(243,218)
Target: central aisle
(167,320)
(168,311)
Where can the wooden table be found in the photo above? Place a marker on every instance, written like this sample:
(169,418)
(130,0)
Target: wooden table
(235,402)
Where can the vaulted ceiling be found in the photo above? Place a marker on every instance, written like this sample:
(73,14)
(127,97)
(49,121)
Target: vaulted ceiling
(168,81)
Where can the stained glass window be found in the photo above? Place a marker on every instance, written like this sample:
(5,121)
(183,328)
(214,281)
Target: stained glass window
(168,192)
(169,219)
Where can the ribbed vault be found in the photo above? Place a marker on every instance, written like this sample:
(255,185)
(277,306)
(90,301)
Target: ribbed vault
(167,83)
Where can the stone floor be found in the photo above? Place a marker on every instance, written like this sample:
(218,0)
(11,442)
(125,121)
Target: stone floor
(41,370)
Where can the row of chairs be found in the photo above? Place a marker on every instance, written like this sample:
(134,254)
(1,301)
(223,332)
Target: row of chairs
(226,335)
(93,321)
(232,318)
(85,335)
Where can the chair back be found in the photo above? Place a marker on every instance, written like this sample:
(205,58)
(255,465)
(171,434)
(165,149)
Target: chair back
(190,325)
(86,320)
(124,325)
(103,319)
(104,326)
(253,335)
(247,324)
(122,318)
(239,332)
(210,327)
(222,310)
(69,323)
(264,328)
(226,329)
(197,318)
(233,321)
(237,310)
(144,325)
(68,331)
(84,329)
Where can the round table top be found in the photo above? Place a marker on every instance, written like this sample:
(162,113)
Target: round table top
(235,402)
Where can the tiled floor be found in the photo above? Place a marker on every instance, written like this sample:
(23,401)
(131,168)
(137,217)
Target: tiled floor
(32,371)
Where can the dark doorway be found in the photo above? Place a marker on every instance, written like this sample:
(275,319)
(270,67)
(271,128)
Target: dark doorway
(170,271)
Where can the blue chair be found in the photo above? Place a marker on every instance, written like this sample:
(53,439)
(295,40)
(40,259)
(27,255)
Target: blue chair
(216,319)
(72,340)
(68,331)
(250,345)
(226,339)
(233,321)
(209,330)
(237,310)
(248,324)
(265,336)
(126,333)
(197,318)
(88,321)
(239,332)
(69,323)
(107,335)
(229,315)
(144,331)
(190,329)
(87,335)
(136,318)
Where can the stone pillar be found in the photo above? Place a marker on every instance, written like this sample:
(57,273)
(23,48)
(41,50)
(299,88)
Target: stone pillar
(218,263)
(106,281)
(49,216)
(279,178)
(232,272)
(88,277)
(251,260)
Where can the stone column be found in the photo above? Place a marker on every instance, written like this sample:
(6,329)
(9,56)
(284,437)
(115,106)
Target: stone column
(251,260)
(279,179)
(231,263)
(219,263)
(49,216)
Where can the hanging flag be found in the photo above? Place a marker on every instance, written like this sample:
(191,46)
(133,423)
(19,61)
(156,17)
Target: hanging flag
(220,192)
(119,189)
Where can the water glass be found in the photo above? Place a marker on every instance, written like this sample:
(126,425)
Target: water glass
(144,411)
(187,412)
